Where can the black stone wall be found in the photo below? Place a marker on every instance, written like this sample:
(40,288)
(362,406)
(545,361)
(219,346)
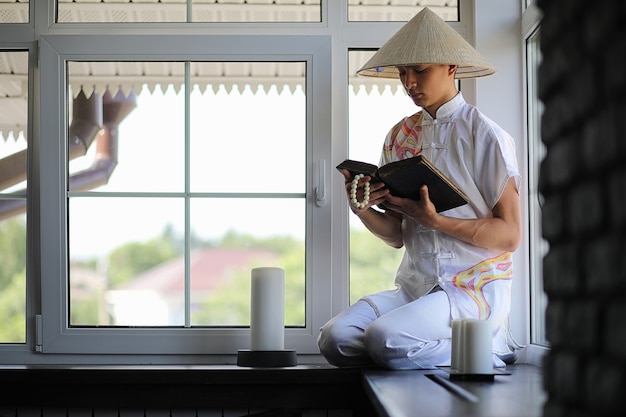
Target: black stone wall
(582,83)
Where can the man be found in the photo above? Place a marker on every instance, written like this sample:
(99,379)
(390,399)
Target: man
(457,263)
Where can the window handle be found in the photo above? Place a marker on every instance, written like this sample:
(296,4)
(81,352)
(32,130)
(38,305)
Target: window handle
(320,190)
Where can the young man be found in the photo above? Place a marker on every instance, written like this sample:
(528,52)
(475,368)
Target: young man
(457,263)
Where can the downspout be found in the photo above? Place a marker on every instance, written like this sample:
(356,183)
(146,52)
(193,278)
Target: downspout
(86,122)
(93,118)
(114,110)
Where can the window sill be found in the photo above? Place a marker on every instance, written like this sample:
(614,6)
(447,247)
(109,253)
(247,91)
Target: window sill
(415,394)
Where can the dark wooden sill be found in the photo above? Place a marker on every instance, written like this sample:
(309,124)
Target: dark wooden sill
(416,394)
(366,392)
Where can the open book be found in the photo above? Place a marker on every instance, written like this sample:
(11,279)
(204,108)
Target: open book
(405,177)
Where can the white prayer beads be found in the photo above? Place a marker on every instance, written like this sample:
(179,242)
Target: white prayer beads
(366,192)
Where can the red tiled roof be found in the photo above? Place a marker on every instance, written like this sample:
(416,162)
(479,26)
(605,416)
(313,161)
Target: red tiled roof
(209,268)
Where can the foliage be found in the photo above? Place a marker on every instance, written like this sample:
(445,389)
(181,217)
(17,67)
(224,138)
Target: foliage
(373,264)
(85,311)
(133,258)
(372,269)
(13,281)
(13,242)
(13,310)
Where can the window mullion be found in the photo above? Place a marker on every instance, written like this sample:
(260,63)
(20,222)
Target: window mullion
(187,88)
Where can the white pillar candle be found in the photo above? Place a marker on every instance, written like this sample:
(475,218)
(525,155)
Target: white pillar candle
(456,348)
(477,341)
(267,309)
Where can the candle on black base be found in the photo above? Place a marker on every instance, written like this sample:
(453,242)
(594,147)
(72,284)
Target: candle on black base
(267,321)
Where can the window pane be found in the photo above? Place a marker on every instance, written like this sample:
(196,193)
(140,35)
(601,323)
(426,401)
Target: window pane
(13,276)
(249,138)
(399,10)
(374,106)
(538,245)
(141,144)
(14,11)
(116,244)
(13,173)
(232,236)
(151,11)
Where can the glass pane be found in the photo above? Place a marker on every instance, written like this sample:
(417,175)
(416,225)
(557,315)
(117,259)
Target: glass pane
(374,107)
(152,11)
(231,237)
(146,229)
(13,275)
(399,10)
(249,136)
(537,151)
(120,140)
(14,11)
(123,254)
(13,173)
(256,11)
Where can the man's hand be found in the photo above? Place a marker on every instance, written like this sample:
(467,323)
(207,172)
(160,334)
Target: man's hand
(423,211)
(377,192)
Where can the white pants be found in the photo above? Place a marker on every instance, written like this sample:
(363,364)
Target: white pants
(392,331)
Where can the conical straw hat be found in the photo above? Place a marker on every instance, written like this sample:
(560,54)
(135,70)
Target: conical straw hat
(426,39)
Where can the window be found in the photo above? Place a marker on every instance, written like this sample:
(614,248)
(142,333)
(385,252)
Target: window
(538,247)
(151,11)
(239,11)
(77,302)
(13,192)
(190,183)
(399,10)
(175,219)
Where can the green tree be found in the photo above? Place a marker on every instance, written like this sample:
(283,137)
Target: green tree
(13,280)
(133,258)
(13,310)
(373,264)
(13,249)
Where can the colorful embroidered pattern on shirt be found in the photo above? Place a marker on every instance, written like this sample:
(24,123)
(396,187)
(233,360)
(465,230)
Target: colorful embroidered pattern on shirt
(473,280)
(408,144)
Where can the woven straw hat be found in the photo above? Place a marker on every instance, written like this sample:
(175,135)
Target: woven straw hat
(426,39)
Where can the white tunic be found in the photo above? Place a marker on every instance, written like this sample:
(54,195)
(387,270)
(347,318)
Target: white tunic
(479,157)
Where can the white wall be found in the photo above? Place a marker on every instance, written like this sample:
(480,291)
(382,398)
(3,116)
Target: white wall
(501,97)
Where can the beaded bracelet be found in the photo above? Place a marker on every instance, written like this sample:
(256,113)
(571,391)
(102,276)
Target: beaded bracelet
(366,192)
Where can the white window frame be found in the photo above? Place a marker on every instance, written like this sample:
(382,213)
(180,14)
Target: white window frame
(537,345)
(55,51)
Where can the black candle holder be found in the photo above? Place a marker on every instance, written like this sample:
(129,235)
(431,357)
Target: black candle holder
(267,358)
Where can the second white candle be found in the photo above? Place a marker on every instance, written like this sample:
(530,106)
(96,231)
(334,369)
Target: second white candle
(457,345)
(476,347)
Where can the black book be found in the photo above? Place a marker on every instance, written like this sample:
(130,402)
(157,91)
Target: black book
(405,177)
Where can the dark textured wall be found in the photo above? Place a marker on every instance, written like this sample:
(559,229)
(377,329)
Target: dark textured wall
(582,83)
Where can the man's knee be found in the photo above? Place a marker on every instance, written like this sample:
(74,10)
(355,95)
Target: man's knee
(397,350)
(342,344)
(376,338)
(327,341)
